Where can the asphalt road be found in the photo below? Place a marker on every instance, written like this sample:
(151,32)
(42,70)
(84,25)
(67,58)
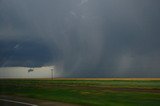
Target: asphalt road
(6,100)
(3,103)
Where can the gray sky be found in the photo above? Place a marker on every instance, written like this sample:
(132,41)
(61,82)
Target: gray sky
(82,38)
(22,72)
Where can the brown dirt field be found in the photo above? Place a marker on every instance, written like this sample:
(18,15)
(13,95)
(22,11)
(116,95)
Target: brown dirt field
(106,78)
(101,88)
(156,79)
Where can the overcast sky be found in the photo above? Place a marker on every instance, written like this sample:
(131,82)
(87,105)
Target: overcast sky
(82,38)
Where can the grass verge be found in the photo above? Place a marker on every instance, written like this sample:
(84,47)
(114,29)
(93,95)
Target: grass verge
(87,92)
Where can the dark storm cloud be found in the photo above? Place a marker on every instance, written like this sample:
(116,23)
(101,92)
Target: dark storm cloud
(26,54)
(83,38)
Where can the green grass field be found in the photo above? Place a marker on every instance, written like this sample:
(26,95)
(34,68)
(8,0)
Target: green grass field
(87,92)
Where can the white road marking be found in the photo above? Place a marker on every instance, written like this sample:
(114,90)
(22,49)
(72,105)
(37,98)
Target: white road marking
(18,102)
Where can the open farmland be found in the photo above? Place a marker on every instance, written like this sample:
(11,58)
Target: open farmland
(86,91)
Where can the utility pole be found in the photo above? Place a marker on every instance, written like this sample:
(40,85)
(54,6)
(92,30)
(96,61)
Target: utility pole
(52,73)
